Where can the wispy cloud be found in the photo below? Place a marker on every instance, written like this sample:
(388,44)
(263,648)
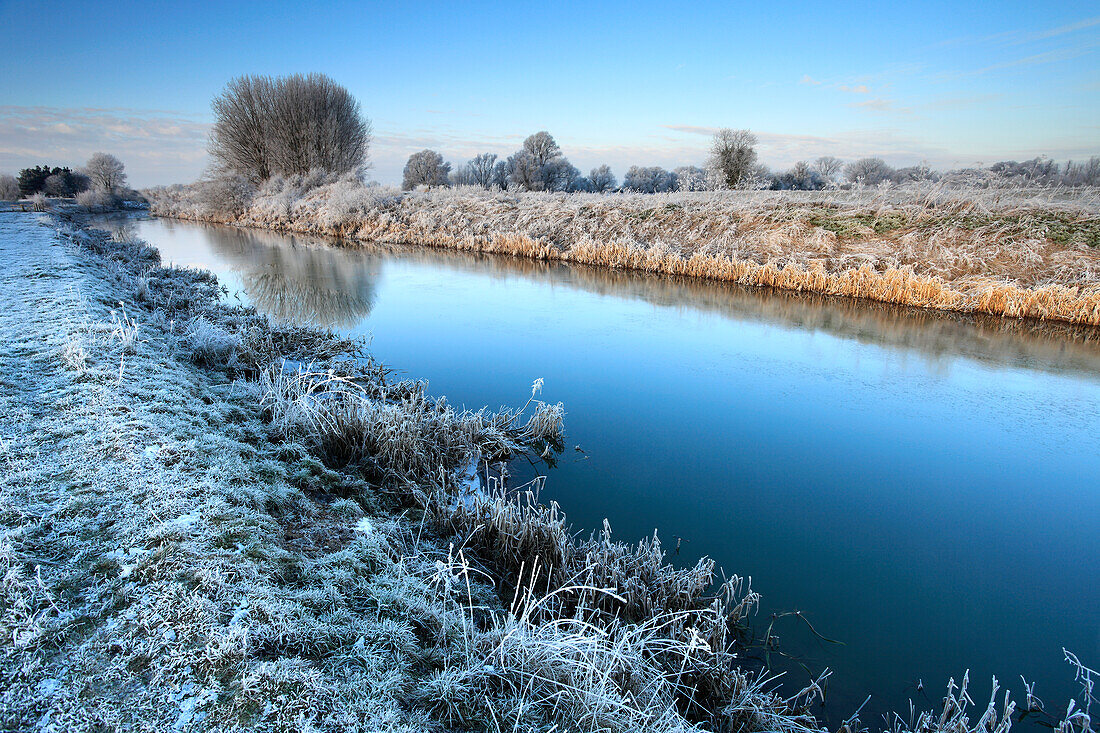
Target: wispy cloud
(1018,37)
(1035,59)
(157,146)
(881,104)
(954,103)
(692,129)
(1062,30)
(807,79)
(857,89)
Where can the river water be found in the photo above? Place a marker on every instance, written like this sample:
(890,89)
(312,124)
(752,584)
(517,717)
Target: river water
(924,488)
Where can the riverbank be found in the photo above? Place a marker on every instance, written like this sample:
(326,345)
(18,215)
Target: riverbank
(196,536)
(1015,253)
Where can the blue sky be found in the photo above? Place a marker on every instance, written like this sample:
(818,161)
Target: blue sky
(622,83)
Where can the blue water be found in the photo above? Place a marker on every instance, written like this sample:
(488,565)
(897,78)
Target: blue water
(924,488)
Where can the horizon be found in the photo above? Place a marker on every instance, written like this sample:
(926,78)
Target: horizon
(621,85)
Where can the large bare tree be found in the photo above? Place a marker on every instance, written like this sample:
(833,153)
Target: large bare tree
(480,169)
(106,172)
(828,166)
(425,168)
(732,156)
(287,125)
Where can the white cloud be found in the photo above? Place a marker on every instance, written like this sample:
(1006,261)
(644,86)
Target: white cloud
(157,146)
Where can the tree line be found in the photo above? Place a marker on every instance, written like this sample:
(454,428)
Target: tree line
(732,164)
(293,125)
(103,175)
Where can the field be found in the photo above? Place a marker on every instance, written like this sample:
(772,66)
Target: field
(1006,251)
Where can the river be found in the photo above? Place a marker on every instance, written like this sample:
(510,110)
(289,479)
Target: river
(923,487)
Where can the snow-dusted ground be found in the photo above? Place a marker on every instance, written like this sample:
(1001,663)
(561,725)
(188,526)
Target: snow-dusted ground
(170,559)
(161,566)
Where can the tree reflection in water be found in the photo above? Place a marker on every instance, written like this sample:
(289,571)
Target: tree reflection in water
(299,280)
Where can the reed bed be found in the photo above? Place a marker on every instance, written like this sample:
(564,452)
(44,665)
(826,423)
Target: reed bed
(1006,251)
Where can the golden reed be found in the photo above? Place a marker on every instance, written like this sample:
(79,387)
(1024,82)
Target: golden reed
(984,270)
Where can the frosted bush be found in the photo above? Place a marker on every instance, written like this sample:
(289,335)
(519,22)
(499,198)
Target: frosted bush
(97,200)
(227,195)
(211,345)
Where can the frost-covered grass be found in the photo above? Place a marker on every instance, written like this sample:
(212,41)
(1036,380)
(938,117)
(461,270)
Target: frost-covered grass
(1007,251)
(211,522)
(196,534)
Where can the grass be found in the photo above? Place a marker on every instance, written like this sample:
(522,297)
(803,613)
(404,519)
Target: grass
(252,527)
(1008,251)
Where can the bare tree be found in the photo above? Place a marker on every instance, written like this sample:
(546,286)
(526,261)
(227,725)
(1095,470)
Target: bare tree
(732,156)
(425,168)
(56,185)
(502,171)
(9,188)
(287,125)
(106,172)
(560,175)
(542,147)
(461,176)
(828,167)
(649,180)
(1082,174)
(524,172)
(802,175)
(601,179)
(481,169)
(869,171)
(540,166)
(690,178)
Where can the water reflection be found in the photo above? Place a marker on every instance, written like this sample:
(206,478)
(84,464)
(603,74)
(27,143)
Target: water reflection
(293,279)
(325,282)
(937,335)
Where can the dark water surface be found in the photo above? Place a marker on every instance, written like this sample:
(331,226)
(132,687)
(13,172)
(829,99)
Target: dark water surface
(924,488)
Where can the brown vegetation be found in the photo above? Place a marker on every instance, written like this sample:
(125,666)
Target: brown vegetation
(1008,252)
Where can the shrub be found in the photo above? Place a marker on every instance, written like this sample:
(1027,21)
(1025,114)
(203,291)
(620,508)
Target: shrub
(211,345)
(869,171)
(690,178)
(649,180)
(228,196)
(96,200)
